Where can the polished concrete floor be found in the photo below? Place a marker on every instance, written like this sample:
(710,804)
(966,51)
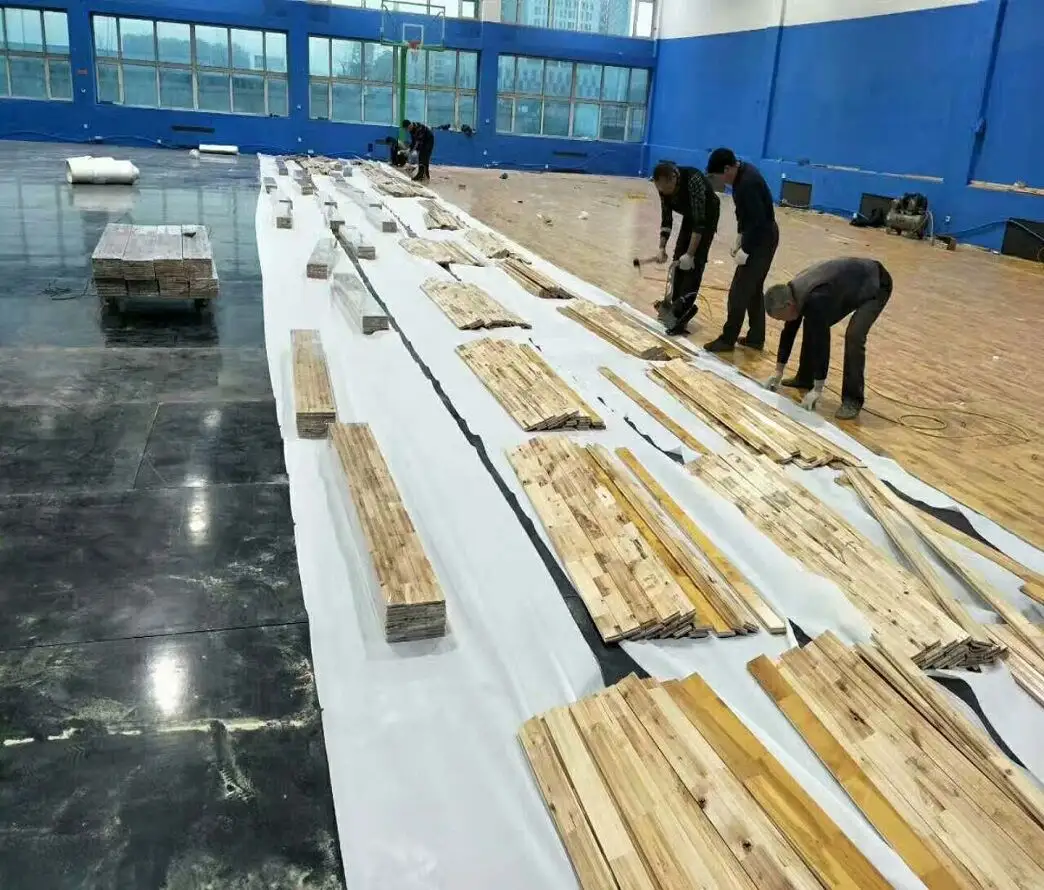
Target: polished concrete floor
(158,713)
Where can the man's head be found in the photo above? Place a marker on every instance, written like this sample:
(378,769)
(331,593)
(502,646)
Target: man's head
(780,302)
(406,125)
(723,163)
(665,177)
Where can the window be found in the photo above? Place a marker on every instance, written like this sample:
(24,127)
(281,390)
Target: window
(634,18)
(34,55)
(356,81)
(454,9)
(574,100)
(191,67)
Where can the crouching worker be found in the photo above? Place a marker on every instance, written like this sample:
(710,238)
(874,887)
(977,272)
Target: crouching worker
(687,191)
(819,298)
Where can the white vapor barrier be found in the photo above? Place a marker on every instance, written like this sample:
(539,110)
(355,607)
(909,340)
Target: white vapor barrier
(429,785)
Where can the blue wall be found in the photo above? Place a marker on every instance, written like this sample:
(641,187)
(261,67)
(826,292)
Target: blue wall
(84,120)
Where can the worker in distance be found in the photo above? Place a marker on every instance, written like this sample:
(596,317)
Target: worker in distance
(818,298)
(422,141)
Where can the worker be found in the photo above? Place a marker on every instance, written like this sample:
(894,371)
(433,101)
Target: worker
(684,190)
(422,140)
(820,297)
(756,243)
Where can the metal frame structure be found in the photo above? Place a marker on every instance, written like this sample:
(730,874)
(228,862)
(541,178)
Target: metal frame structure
(410,27)
(45,55)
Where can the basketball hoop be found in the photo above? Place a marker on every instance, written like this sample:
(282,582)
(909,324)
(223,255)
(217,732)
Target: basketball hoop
(413,46)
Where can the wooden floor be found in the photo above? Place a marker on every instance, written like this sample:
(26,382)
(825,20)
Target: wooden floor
(952,368)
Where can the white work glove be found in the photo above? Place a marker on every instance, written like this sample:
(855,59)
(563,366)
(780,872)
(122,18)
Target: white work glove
(813,396)
(740,256)
(661,257)
(686,262)
(772,383)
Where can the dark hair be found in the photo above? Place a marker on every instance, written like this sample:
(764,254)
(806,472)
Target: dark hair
(720,159)
(664,170)
(405,123)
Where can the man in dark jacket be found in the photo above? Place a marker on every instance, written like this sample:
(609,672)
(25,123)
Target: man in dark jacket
(818,298)
(422,141)
(755,247)
(685,190)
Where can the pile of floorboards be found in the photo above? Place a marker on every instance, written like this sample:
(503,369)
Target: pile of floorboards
(323,257)
(527,387)
(537,283)
(445,253)
(394,185)
(488,244)
(612,324)
(660,786)
(640,574)
(895,603)
(438,217)
(314,405)
(741,416)
(320,165)
(409,599)
(358,305)
(933,785)
(469,307)
(661,417)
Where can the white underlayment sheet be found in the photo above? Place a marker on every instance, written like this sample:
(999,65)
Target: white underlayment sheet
(429,785)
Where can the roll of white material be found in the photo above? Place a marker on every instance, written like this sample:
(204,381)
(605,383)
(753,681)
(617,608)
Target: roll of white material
(219,149)
(100,171)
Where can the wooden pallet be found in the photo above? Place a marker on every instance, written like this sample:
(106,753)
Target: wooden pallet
(744,417)
(357,304)
(445,253)
(659,785)
(314,404)
(197,252)
(488,244)
(355,243)
(204,288)
(537,283)
(469,307)
(527,387)
(111,289)
(930,790)
(409,598)
(322,259)
(438,217)
(613,325)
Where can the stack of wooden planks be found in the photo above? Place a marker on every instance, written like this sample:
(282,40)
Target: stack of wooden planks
(332,215)
(355,243)
(661,417)
(393,184)
(314,405)
(322,259)
(357,304)
(527,387)
(304,181)
(537,283)
(638,574)
(488,244)
(739,415)
(660,786)
(469,307)
(444,253)
(270,184)
(894,602)
(611,323)
(282,210)
(935,787)
(320,165)
(409,599)
(281,166)
(438,217)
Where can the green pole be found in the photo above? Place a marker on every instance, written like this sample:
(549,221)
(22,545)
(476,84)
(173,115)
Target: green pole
(401,50)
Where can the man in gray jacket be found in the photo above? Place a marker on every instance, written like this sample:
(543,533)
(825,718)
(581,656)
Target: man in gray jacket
(819,298)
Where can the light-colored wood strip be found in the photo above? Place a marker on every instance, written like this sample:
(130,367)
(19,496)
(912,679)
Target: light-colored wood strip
(668,423)
(314,404)
(615,327)
(469,307)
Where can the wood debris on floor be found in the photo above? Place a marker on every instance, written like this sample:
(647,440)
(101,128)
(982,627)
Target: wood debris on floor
(314,405)
(357,304)
(935,788)
(438,217)
(469,307)
(739,415)
(410,601)
(612,324)
(534,281)
(639,574)
(527,387)
(488,244)
(445,253)
(660,786)
(895,603)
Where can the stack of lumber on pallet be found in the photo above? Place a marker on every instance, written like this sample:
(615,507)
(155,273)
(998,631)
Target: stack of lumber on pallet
(537,283)
(409,599)
(469,307)
(488,244)
(935,787)
(639,574)
(445,253)
(661,417)
(352,298)
(322,258)
(304,182)
(438,217)
(314,405)
(282,210)
(611,323)
(739,415)
(660,786)
(355,243)
(527,387)
(895,603)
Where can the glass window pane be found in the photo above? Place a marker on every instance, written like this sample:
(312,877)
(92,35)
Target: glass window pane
(105,38)
(636,127)
(588,81)
(591,16)
(24,31)
(56,30)
(277,98)
(136,42)
(319,99)
(614,84)
(558,78)
(5,87)
(415,109)
(639,86)
(275,51)
(248,51)
(61,79)
(616,17)
(415,68)
(213,91)
(556,118)
(248,94)
(377,105)
(442,69)
(139,85)
(466,110)
(319,56)
(377,65)
(347,58)
(530,75)
(27,77)
(533,12)
(644,26)
(175,88)
(211,46)
(347,102)
(563,15)
(175,42)
(506,74)
(503,115)
(440,108)
(108,82)
(509,11)
(614,122)
(467,71)
(527,116)
(585,120)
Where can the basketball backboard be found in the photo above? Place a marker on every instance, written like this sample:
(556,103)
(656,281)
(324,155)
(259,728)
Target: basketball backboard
(416,25)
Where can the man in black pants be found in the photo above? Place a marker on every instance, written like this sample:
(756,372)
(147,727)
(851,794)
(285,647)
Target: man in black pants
(820,297)
(687,191)
(755,247)
(422,141)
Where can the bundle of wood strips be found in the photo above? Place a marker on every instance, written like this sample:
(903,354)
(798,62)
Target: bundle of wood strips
(438,217)
(488,244)
(537,283)
(393,184)
(611,323)
(313,395)
(469,307)
(445,253)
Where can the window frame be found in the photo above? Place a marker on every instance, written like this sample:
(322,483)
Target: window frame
(552,7)
(46,55)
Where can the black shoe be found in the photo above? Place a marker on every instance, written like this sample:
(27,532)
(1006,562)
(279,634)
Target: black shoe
(795,383)
(678,330)
(719,345)
(745,341)
(848,410)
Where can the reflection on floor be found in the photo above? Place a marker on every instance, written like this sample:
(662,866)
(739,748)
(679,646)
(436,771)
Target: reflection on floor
(158,713)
